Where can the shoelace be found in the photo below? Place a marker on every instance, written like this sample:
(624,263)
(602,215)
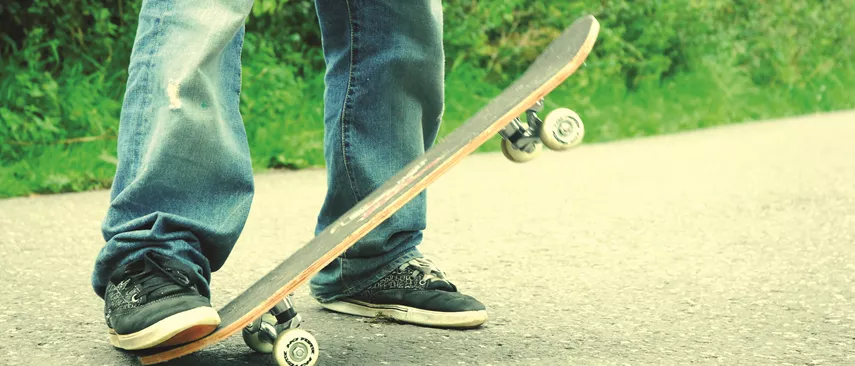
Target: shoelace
(153,283)
(425,266)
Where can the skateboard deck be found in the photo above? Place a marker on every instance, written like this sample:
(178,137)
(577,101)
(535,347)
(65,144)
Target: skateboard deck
(556,63)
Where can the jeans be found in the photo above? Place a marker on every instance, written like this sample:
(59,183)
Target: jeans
(184,186)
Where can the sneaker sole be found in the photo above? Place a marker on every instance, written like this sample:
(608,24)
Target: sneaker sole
(408,314)
(184,327)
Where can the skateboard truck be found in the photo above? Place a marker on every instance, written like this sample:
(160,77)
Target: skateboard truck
(561,130)
(277,332)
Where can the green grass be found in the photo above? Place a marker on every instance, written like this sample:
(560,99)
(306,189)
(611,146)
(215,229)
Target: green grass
(688,101)
(289,134)
(658,67)
(71,168)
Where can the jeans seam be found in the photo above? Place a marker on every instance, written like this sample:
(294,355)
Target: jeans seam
(147,101)
(344,124)
(346,106)
(239,73)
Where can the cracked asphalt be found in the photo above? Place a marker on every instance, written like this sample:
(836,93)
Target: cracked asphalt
(731,245)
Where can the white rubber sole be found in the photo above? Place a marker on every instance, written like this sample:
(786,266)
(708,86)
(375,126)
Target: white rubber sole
(180,328)
(406,314)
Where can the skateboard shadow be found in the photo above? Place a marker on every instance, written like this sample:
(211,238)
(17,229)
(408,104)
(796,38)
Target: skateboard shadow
(210,357)
(247,359)
(223,360)
(223,356)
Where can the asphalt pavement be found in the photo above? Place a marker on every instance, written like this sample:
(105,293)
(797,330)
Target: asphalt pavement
(731,245)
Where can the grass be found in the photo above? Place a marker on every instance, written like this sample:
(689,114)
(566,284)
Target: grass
(289,134)
(659,67)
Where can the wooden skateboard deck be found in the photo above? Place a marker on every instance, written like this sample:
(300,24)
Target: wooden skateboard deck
(557,62)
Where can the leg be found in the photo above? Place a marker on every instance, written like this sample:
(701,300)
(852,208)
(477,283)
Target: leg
(183,185)
(384,103)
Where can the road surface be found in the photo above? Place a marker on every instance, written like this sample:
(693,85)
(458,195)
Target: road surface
(733,245)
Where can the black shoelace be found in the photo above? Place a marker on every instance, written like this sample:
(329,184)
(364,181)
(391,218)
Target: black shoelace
(150,284)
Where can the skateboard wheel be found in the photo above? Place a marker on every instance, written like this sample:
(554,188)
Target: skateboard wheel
(296,347)
(519,156)
(562,129)
(257,339)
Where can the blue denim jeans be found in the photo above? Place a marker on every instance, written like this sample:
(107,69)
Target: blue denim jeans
(184,185)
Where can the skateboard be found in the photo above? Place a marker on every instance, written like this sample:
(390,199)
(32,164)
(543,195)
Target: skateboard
(264,314)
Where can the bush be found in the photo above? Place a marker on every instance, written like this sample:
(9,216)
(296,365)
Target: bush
(64,68)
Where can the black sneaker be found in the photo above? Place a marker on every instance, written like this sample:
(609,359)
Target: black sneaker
(154,302)
(417,292)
